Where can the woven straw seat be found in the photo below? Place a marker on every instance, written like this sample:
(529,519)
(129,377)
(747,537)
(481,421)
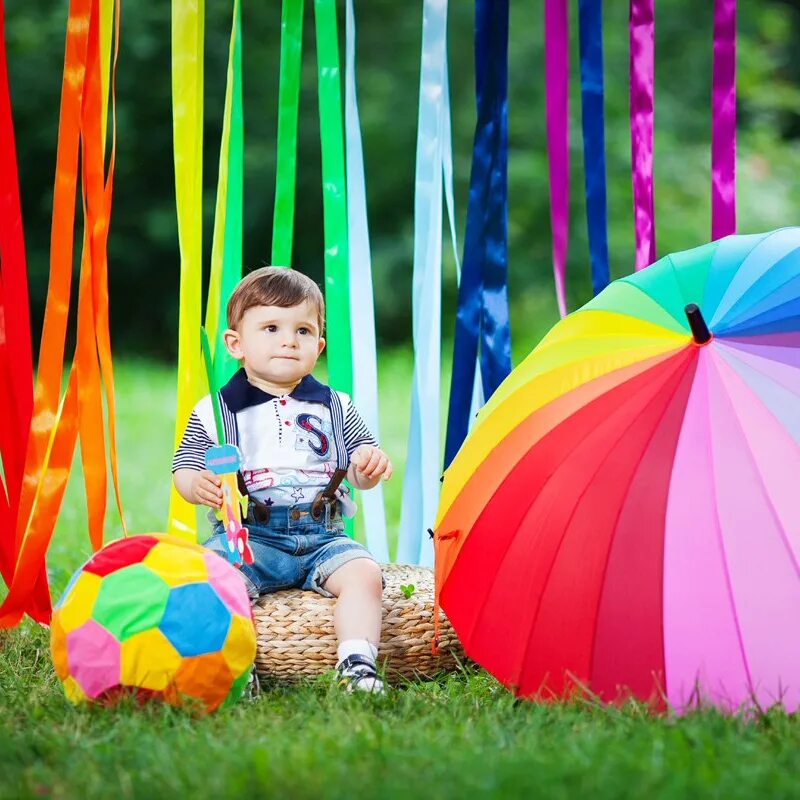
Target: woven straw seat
(296,637)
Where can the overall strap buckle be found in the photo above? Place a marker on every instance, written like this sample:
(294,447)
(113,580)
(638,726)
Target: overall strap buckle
(326,500)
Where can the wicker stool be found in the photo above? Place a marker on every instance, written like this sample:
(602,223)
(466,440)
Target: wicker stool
(296,636)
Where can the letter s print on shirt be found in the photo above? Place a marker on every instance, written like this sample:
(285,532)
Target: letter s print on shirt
(319,434)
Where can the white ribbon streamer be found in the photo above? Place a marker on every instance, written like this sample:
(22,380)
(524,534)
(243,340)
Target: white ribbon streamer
(362,316)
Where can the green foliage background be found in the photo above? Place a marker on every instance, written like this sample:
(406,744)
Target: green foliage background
(143,245)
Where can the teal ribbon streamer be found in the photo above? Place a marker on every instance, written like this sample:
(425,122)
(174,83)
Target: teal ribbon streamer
(362,314)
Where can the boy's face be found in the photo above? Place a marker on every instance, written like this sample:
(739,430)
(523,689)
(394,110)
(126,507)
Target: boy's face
(279,345)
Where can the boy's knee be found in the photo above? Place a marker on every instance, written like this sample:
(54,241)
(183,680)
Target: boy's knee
(366,575)
(373,576)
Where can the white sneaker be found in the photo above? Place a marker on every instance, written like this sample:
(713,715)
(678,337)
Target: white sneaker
(358,673)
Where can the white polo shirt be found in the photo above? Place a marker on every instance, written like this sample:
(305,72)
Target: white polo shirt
(288,443)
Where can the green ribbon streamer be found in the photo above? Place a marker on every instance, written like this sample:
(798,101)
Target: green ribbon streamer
(288,104)
(334,192)
(224,364)
(212,387)
(334,195)
(226,269)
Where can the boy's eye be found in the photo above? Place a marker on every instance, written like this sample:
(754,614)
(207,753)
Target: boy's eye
(303,331)
(272,328)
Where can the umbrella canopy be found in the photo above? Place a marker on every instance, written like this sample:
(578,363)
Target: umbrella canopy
(625,514)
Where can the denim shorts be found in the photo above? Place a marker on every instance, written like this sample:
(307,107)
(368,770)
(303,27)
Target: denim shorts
(292,550)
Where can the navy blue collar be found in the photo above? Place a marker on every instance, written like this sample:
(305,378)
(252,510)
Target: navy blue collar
(239,394)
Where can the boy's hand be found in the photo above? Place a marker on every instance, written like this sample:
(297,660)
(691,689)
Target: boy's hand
(206,489)
(370,464)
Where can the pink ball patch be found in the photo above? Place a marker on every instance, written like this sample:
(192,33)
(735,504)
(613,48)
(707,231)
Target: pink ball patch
(94,658)
(228,584)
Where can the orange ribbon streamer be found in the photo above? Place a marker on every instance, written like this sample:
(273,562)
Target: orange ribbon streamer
(56,426)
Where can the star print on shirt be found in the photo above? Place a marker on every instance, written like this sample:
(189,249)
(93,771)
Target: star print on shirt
(298,494)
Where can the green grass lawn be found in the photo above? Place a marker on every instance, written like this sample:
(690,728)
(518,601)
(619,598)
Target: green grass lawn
(459,737)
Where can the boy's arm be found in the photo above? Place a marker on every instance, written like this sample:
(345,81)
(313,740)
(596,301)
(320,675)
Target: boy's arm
(193,481)
(200,487)
(368,465)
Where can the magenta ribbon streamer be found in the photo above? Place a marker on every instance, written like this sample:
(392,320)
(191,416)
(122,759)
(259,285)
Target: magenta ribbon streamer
(723,128)
(556,24)
(642,64)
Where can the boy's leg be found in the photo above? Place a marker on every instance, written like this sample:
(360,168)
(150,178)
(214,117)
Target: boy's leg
(358,586)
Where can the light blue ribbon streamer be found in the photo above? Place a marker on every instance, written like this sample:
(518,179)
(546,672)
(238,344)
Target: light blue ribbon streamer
(362,316)
(434,177)
(421,486)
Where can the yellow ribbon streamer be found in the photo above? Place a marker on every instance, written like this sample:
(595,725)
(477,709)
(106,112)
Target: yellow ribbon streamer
(187,117)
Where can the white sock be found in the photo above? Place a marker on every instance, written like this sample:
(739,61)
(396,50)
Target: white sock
(353,647)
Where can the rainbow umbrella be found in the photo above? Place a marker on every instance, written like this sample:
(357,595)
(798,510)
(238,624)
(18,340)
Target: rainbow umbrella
(625,514)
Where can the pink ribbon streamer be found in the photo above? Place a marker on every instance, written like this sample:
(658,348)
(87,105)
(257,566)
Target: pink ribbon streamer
(723,129)
(556,23)
(642,66)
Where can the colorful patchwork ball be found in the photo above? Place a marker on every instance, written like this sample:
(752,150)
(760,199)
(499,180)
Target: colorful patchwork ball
(157,615)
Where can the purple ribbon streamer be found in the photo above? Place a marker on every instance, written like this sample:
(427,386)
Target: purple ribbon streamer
(556,25)
(642,66)
(723,135)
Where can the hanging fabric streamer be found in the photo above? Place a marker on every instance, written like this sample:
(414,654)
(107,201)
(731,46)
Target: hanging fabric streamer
(51,357)
(594,138)
(16,360)
(421,484)
(447,169)
(434,163)
(334,197)
(93,340)
(362,303)
(483,293)
(288,107)
(723,136)
(187,122)
(642,67)
(226,249)
(110,13)
(56,423)
(556,45)
(46,414)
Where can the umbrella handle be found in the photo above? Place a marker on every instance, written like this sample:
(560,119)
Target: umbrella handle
(700,332)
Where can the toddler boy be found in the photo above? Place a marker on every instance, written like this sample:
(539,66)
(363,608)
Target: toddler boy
(293,433)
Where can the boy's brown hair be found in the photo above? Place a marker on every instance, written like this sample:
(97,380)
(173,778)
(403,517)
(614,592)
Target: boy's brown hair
(275,286)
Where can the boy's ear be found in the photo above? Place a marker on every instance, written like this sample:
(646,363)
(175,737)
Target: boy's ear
(231,339)
(321,345)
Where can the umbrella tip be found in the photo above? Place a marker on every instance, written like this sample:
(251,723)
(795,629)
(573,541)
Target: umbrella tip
(700,332)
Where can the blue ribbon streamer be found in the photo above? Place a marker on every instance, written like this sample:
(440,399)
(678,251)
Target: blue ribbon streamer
(483,292)
(594,141)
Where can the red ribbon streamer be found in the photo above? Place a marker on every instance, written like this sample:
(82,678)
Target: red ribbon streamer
(642,67)
(16,360)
